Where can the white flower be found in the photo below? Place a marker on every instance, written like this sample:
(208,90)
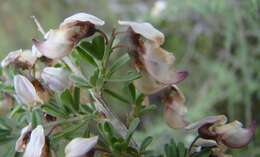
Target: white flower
(146,30)
(21,58)
(59,42)
(22,140)
(25,91)
(79,147)
(56,78)
(36,145)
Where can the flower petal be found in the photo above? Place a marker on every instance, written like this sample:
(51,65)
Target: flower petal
(11,57)
(56,78)
(24,136)
(174,109)
(25,91)
(160,65)
(27,58)
(35,147)
(57,45)
(147,85)
(234,135)
(80,146)
(83,17)
(146,30)
(219,119)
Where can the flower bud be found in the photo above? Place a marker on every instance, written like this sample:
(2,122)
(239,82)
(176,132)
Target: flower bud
(25,91)
(36,146)
(80,146)
(57,79)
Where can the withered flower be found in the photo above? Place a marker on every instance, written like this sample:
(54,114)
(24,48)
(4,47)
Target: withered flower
(155,63)
(231,134)
(174,108)
(20,58)
(59,42)
(80,147)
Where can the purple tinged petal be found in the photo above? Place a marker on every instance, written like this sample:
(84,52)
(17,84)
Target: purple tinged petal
(234,135)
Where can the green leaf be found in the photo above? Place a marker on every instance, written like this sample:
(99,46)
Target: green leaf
(96,48)
(79,82)
(171,149)
(140,99)
(117,96)
(119,63)
(130,76)
(132,90)
(85,56)
(33,115)
(94,78)
(98,44)
(182,150)
(53,111)
(147,109)
(133,126)
(146,142)
(67,131)
(107,128)
(76,98)
(16,110)
(67,100)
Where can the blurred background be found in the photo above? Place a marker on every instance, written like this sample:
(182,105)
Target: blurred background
(217,41)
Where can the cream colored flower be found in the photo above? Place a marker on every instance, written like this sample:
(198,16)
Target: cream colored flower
(36,145)
(146,30)
(24,137)
(79,147)
(56,78)
(59,42)
(25,91)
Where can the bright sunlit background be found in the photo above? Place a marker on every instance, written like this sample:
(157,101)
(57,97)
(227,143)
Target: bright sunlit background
(217,41)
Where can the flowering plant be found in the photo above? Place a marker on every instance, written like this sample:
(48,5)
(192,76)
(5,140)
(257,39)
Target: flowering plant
(57,95)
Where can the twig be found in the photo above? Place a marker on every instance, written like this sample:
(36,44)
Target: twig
(39,27)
